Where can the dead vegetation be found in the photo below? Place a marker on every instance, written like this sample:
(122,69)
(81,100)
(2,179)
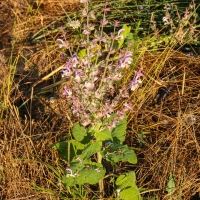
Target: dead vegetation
(170,126)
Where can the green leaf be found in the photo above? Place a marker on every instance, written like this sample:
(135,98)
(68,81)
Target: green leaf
(82,53)
(62,148)
(59,146)
(78,145)
(120,180)
(131,193)
(68,181)
(76,166)
(126,183)
(126,180)
(109,119)
(90,174)
(124,35)
(91,149)
(94,129)
(79,132)
(119,132)
(171,186)
(118,152)
(104,135)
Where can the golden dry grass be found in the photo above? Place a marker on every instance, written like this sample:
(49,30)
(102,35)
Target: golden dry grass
(26,135)
(172,140)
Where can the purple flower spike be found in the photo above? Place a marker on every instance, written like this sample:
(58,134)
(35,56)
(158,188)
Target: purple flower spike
(136,81)
(104,22)
(128,106)
(77,76)
(116,23)
(126,60)
(139,73)
(75,60)
(105,9)
(67,92)
(66,71)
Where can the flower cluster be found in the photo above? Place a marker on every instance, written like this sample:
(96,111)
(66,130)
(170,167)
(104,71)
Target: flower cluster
(95,70)
(187,18)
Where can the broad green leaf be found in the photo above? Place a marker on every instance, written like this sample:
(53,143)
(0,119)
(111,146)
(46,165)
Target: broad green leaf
(134,39)
(68,181)
(118,152)
(125,180)
(131,193)
(90,175)
(126,183)
(123,35)
(119,132)
(94,129)
(130,38)
(82,53)
(120,180)
(104,135)
(79,132)
(86,174)
(62,148)
(78,145)
(59,146)
(171,186)
(76,166)
(91,149)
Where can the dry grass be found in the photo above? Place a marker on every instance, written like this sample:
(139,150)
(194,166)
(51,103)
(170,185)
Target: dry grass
(26,135)
(172,126)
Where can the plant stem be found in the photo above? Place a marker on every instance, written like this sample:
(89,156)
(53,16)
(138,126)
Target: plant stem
(101,186)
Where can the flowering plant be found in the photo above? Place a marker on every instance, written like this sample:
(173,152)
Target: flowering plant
(96,70)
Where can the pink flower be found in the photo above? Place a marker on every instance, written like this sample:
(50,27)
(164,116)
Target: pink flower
(106,9)
(67,92)
(119,33)
(77,77)
(89,86)
(84,12)
(116,23)
(92,15)
(63,43)
(126,60)
(128,106)
(75,60)
(104,22)
(136,81)
(66,71)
